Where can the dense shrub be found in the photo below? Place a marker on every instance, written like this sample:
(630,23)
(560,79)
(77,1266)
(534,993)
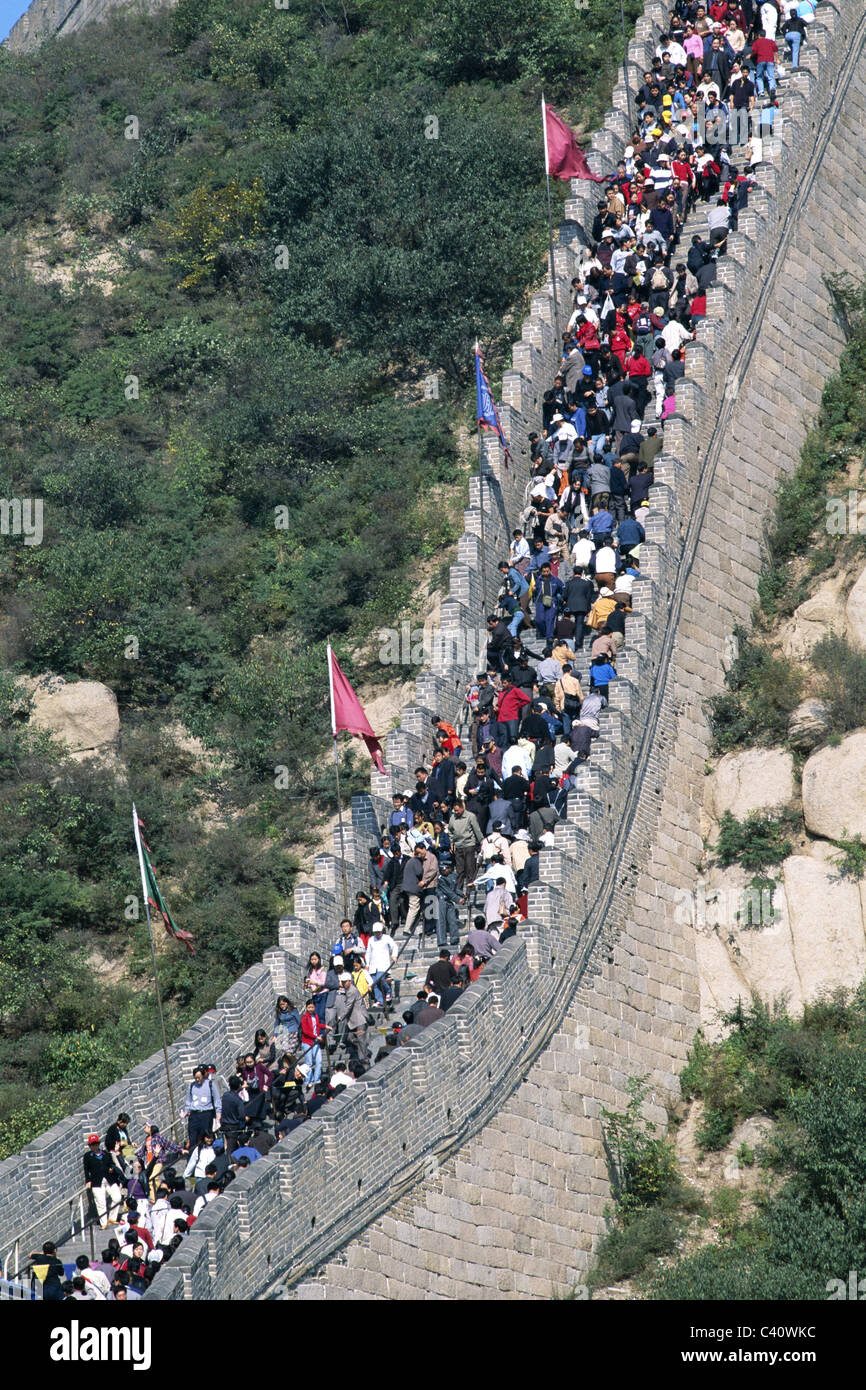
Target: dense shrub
(842,672)
(763,690)
(810,1228)
(756,842)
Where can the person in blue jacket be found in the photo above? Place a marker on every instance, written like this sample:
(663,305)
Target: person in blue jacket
(548,596)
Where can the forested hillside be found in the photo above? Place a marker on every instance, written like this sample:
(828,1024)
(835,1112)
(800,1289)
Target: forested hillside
(236,242)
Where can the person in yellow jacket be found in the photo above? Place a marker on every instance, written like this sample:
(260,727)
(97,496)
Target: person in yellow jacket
(603,605)
(361,980)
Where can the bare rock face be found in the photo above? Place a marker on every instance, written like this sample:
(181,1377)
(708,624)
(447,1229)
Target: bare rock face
(808,725)
(759,779)
(834,789)
(822,613)
(855,612)
(805,937)
(825,912)
(81,714)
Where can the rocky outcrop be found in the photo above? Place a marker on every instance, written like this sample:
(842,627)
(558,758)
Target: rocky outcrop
(822,613)
(834,789)
(855,612)
(80,714)
(805,937)
(808,725)
(759,779)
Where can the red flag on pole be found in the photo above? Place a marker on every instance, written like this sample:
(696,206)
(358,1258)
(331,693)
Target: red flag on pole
(563,157)
(347,712)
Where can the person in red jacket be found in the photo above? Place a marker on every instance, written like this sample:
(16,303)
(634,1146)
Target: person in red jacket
(511,701)
(446,736)
(620,343)
(765,52)
(312,1035)
(698,309)
(587,336)
(638,369)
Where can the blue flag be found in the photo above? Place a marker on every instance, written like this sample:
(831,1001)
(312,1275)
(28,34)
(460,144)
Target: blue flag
(486,411)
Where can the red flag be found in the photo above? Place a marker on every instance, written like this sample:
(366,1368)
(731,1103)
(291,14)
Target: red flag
(151,887)
(563,157)
(347,712)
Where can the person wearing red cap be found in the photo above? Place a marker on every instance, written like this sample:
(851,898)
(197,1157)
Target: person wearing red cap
(104,1180)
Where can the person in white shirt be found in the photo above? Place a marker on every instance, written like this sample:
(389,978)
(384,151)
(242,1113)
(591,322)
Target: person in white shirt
(675,335)
(618,260)
(213,1191)
(494,842)
(519,548)
(678,54)
(582,553)
(97,1284)
(769,20)
(496,871)
(380,955)
(203,1154)
(520,754)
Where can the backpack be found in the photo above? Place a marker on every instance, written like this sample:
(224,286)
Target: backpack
(659,280)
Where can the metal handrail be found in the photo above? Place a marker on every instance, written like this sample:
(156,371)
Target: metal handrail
(75,1226)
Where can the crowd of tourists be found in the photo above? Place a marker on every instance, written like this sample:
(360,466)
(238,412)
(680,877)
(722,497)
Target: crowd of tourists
(460,848)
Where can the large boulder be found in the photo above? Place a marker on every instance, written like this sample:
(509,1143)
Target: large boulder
(742,944)
(808,725)
(806,937)
(822,613)
(81,714)
(855,612)
(759,779)
(834,789)
(825,913)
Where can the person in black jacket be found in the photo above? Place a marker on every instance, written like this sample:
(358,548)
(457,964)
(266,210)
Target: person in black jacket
(529,873)
(117,1133)
(498,642)
(104,1180)
(54,1274)
(234,1114)
(534,726)
(366,914)
(441,973)
(577,599)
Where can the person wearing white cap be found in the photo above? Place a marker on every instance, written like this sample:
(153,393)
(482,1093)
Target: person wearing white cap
(380,956)
(563,435)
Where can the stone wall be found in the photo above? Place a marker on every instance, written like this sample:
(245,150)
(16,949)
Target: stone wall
(496,1107)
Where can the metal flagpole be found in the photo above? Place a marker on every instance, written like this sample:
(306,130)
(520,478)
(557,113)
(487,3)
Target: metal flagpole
(481,508)
(144,890)
(339,797)
(550,233)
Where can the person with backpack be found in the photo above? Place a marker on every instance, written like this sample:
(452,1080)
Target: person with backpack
(567,698)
